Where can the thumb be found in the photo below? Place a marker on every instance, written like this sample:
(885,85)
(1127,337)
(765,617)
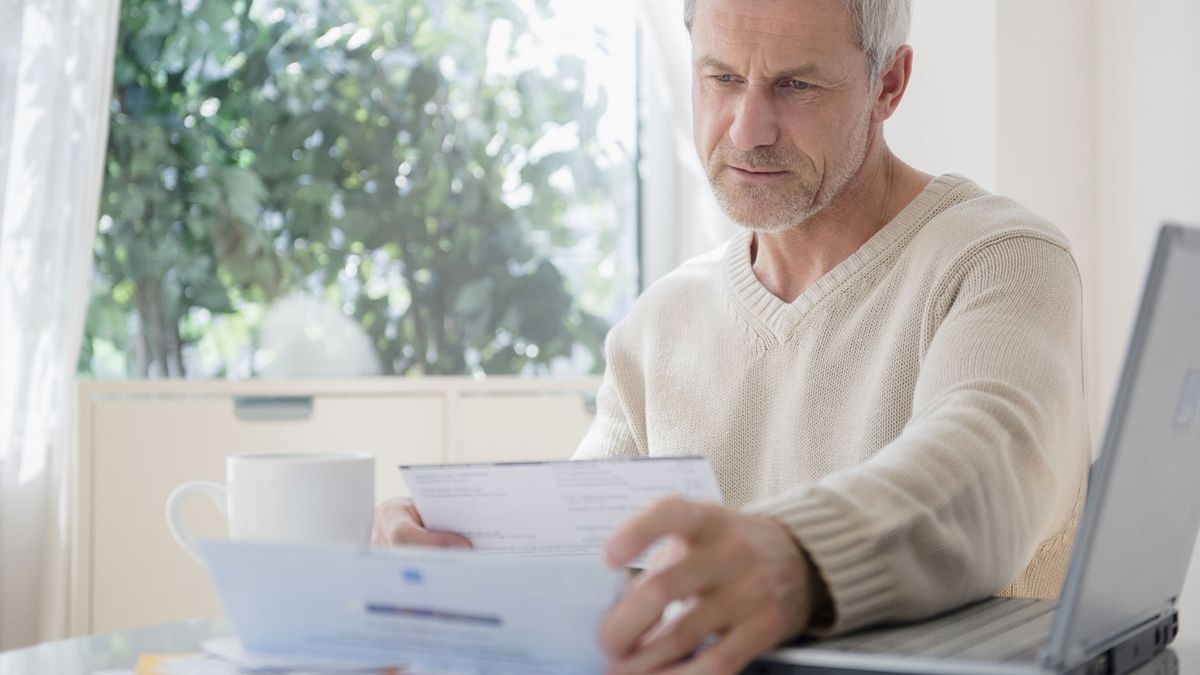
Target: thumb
(447,540)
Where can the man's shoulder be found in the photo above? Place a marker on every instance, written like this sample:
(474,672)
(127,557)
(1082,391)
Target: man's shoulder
(698,275)
(972,219)
(692,289)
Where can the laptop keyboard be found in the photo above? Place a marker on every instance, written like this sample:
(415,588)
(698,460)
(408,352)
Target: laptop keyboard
(997,629)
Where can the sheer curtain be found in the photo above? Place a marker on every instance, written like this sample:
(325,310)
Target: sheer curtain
(680,216)
(55,81)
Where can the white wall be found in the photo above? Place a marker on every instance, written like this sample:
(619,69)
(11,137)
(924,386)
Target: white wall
(1147,103)
(1147,144)
(1083,110)
(947,122)
(1047,128)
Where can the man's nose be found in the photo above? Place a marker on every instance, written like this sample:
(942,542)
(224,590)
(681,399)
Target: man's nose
(755,123)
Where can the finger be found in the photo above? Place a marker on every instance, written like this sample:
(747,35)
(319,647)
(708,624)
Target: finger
(411,534)
(672,515)
(641,606)
(377,536)
(389,515)
(671,551)
(709,614)
(734,650)
(448,540)
(411,509)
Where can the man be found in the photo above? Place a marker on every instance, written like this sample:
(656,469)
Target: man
(885,368)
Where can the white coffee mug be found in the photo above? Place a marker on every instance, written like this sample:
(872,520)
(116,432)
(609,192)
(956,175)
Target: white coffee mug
(293,498)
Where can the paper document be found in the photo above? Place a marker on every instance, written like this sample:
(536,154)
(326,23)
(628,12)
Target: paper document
(544,508)
(429,610)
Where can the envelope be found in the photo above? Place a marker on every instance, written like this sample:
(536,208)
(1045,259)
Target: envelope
(424,608)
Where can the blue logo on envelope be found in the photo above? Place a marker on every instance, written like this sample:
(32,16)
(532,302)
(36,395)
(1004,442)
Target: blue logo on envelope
(412,575)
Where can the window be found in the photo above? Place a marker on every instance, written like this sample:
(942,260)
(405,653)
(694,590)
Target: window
(365,186)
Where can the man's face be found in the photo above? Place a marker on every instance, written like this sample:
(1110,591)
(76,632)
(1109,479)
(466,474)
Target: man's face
(781,107)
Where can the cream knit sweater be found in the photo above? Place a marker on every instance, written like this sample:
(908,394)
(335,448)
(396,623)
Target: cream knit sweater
(916,417)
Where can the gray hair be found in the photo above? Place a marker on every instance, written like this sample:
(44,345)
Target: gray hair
(880,27)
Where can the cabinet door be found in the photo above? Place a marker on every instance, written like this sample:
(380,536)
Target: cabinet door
(518,427)
(143,448)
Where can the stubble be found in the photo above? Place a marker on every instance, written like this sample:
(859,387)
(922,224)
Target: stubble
(777,208)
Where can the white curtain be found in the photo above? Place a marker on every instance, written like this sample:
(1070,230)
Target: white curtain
(55,81)
(680,216)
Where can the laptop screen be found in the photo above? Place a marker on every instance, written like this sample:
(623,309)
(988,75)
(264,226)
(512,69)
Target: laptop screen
(1143,508)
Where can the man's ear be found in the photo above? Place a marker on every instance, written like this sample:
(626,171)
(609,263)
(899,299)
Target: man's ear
(893,82)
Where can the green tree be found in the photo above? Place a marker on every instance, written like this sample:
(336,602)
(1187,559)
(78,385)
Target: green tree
(360,149)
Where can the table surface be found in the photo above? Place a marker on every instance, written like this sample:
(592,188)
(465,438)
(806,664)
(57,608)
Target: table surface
(111,651)
(120,650)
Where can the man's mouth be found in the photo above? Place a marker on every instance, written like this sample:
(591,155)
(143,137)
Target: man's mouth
(757,173)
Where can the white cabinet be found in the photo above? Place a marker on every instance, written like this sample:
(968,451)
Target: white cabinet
(500,428)
(137,441)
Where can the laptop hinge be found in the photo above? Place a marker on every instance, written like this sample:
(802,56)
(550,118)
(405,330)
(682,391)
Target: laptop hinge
(1132,649)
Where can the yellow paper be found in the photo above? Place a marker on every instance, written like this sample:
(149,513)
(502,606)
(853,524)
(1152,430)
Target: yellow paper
(147,664)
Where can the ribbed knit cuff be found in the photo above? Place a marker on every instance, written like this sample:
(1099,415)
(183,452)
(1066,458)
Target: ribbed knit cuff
(844,553)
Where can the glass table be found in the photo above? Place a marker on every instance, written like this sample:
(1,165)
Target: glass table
(119,651)
(116,651)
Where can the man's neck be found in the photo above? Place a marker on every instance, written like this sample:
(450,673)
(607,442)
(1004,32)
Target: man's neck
(789,262)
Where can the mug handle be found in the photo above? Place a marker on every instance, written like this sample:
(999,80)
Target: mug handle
(216,491)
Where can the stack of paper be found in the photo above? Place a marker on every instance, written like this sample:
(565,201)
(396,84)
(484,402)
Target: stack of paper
(433,609)
(336,609)
(550,508)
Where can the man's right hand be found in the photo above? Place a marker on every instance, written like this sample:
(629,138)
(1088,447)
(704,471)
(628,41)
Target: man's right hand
(397,523)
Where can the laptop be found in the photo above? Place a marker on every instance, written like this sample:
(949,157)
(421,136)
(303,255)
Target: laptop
(1135,539)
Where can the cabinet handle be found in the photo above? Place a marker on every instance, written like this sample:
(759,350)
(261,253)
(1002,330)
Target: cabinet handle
(272,408)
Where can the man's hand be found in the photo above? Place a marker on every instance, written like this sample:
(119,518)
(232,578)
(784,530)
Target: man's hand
(744,579)
(398,523)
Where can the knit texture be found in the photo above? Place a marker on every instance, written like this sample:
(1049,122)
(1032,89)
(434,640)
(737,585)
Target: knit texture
(915,418)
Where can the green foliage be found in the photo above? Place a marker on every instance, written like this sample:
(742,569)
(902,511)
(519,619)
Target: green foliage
(360,149)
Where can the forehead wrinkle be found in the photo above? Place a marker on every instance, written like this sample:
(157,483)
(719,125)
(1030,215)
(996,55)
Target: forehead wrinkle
(806,45)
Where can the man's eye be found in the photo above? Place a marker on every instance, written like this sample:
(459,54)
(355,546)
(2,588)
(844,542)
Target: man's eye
(723,78)
(798,85)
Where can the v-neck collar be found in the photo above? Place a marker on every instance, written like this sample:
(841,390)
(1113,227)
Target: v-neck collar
(781,318)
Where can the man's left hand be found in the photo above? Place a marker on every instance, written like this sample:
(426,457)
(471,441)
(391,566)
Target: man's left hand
(744,578)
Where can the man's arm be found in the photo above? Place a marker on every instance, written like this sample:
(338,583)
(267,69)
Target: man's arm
(610,434)
(991,461)
(950,511)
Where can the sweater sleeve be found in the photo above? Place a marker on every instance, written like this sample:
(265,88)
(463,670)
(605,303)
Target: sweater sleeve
(611,434)
(988,464)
